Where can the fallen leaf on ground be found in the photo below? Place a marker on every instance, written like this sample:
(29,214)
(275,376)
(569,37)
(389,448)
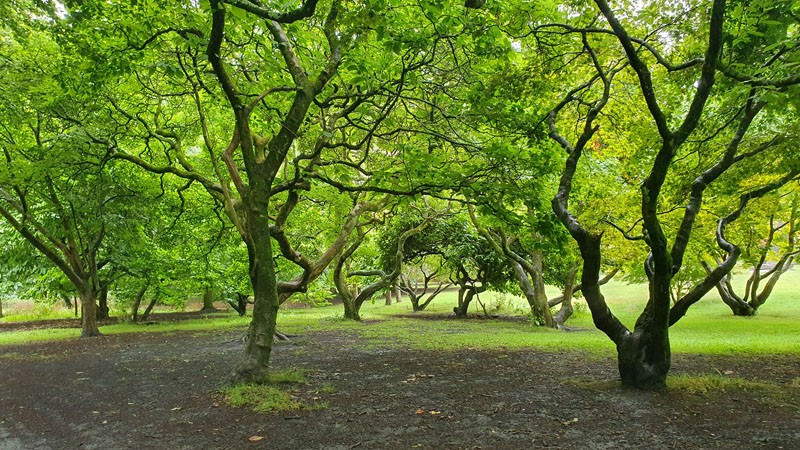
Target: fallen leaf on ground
(255,438)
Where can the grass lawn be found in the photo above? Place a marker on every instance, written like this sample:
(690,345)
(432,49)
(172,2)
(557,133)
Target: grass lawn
(708,328)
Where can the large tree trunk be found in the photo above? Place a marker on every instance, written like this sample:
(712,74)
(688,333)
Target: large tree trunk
(208,299)
(88,314)
(254,366)
(465,296)
(351,308)
(644,358)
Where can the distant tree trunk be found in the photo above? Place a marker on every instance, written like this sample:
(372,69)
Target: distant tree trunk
(415,292)
(241,304)
(137,301)
(532,284)
(738,306)
(398,295)
(1,307)
(578,287)
(208,299)
(149,309)
(465,296)
(353,300)
(388,297)
(566,304)
(88,313)
(348,297)
(102,307)
(67,300)
(748,304)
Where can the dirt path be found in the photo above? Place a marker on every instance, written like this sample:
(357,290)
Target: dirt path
(158,391)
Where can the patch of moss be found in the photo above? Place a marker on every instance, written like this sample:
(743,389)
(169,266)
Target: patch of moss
(260,398)
(270,397)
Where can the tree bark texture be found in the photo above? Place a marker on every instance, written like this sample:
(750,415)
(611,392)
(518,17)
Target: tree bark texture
(388,297)
(398,295)
(254,365)
(566,310)
(137,302)
(208,299)
(88,314)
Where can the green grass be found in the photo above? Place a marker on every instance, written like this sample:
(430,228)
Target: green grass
(58,334)
(273,396)
(712,384)
(708,328)
(260,398)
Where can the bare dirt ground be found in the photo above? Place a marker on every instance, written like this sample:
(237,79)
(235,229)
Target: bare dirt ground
(160,391)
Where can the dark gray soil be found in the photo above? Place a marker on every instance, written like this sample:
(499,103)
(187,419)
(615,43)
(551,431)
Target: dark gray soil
(160,391)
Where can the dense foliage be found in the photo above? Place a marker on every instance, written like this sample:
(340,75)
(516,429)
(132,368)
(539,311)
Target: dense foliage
(286,151)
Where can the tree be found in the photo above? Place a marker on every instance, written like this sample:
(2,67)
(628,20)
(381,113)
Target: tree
(475,265)
(53,190)
(383,279)
(768,260)
(270,92)
(416,281)
(528,269)
(644,352)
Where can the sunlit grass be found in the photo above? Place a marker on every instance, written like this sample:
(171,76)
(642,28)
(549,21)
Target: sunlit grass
(55,334)
(708,328)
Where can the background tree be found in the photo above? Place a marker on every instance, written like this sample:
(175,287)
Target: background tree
(770,251)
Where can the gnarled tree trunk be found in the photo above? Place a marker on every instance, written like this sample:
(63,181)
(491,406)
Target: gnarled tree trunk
(465,296)
(566,310)
(254,366)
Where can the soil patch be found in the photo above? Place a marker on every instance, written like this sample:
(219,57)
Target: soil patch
(157,391)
